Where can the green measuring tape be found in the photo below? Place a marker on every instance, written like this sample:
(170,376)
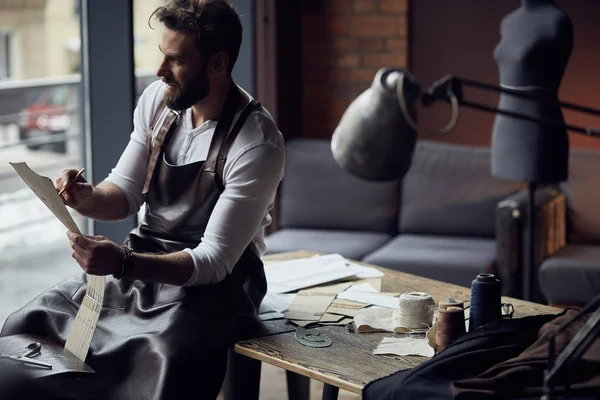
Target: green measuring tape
(306,338)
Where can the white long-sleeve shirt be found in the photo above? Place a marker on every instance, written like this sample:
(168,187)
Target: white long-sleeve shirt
(252,172)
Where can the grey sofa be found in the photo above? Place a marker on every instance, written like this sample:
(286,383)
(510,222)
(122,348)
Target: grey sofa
(437,222)
(572,275)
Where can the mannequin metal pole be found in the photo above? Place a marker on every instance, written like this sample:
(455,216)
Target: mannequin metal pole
(529,273)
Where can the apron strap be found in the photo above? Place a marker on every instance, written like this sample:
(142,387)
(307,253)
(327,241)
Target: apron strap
(224,151)
(222,128)
(166,122)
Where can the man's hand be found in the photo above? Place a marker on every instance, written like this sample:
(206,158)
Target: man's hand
(96,254)
(78,193)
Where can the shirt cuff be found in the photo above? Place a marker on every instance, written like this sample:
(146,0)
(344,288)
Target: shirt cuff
(194,277)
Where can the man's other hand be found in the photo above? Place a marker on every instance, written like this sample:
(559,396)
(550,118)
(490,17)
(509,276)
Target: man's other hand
(78,193)
(97,255)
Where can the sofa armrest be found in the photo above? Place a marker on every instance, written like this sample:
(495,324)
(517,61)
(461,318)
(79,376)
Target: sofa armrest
(512,233)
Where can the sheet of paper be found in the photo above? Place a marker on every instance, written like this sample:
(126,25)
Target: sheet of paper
(84,325)
(367,272)
(405,346)
(376,299)
(330,289)
(270,315)
(345,307)
(331,318)
(362,287)
(308,307)
(298,274)
(375,282)
(278,302)
(342,322)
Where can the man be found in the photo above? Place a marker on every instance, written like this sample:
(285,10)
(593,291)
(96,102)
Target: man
(189,280)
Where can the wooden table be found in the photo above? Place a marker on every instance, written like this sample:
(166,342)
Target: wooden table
(349,363)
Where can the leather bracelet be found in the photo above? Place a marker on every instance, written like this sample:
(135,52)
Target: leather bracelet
(126,263)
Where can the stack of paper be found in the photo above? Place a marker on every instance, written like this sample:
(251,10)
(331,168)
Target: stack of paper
(289,276)
(304,290)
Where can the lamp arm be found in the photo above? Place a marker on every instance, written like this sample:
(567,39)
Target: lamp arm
(451,86)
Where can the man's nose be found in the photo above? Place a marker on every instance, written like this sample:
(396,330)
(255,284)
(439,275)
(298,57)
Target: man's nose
(162,70)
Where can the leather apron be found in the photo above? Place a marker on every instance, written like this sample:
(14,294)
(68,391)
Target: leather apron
(159,341)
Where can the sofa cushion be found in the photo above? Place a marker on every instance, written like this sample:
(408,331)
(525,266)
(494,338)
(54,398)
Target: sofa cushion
(455,260)
(449,191)
(316,193)
(583,196)
(571,276)
(350,244)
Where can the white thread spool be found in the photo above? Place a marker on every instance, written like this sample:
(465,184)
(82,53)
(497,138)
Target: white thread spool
(416,310)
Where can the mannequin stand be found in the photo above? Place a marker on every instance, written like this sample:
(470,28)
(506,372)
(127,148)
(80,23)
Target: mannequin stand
(530,270)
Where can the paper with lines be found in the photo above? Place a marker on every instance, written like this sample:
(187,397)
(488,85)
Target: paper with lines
(82,330)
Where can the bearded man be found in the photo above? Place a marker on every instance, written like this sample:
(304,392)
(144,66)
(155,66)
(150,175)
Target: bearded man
(206,159)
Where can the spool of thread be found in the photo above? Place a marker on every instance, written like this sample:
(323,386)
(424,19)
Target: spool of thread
(415,310)
(450,326)
(450,303)
(485,301)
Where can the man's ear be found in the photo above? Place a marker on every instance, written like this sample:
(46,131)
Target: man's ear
(219,64)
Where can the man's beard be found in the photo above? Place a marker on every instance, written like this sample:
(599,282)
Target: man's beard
(194,90)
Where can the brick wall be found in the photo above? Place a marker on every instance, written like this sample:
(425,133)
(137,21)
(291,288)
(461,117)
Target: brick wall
(345,42)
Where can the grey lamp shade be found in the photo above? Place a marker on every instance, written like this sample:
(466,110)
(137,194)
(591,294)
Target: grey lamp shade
(373,141)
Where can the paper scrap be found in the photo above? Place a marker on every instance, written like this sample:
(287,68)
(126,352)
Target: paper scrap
(308,307)
(404,346)
(324,290)
(84,325)
(376,299)
(363,287)
(275,302)
(270,315)
(376,283)
(331,318)
(345,307)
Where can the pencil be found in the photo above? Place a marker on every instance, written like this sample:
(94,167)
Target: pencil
(72,182)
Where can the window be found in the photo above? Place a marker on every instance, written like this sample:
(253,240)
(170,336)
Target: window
(40,124)
(6,56)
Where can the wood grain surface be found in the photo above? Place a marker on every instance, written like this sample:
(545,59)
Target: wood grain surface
(349,363)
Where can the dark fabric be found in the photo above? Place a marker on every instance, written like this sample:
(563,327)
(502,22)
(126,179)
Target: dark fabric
(571,276)
(350,244)
(583,196)
(524,374)
(316,193)
(158,341)
(469,356)
(455,260)
(449,191)
(534,49)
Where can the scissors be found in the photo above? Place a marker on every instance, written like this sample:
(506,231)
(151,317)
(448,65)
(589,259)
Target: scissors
(33,349)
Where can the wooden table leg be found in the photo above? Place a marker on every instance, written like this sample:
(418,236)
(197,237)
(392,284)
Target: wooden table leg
(242,380)
(330,392)
(298,386)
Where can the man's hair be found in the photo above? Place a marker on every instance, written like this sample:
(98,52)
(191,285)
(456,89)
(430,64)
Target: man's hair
(215,23)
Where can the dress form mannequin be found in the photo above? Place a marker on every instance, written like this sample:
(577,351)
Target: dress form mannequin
(535,46)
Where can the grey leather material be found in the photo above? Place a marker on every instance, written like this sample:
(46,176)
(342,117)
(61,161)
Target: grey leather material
(449,191)
(316,193)
(455,260)
(350,244)
(583,196)
(571,276)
